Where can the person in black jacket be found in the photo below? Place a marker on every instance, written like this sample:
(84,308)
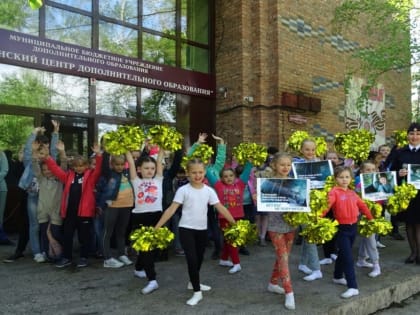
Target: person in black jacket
(410,154)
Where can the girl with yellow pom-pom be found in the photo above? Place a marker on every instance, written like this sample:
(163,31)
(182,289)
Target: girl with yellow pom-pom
(194,198)
(368,245)
(345,204)
(281,235)
(309,259)
(147,209)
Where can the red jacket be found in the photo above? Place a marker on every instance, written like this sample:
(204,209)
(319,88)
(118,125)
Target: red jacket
(87,203)
(231,196)
(346,205)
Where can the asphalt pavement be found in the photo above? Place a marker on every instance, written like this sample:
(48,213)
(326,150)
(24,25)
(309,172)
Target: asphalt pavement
(27,287)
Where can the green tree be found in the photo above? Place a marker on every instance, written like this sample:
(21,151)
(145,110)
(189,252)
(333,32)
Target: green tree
(388,25)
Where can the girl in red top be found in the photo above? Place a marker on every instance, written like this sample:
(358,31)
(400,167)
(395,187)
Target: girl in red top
(345,204)
(230,191)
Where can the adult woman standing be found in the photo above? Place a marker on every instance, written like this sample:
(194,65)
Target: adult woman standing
(410,154)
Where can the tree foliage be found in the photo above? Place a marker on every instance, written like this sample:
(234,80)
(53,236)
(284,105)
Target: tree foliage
(388,25)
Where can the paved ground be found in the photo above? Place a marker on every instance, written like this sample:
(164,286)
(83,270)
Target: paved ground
(30,288)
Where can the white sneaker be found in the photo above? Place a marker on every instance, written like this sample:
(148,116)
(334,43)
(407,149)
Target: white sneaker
(380,245)
(225,263)
(363,264)
(236,268)
(275,288)
(375,272)
(316,274)
(125,260)
(333,257)
(150,287)
(341,281)
(112,263)
(304,269)
(326,261)
(139,274)
(203,287)
(289,302)
(349,293)
(40,258)
(197,297)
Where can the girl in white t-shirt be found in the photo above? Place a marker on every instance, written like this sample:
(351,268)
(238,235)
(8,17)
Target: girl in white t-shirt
(194,198)
(147,209)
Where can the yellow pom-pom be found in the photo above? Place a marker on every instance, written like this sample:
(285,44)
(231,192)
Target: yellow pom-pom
(240,233)
(204,152)
(147,238)
(320,231)
(379,226)
(167,138)
(354,144)
(295,140)
(400,137)
(253,152)
(401,198)
(125,138)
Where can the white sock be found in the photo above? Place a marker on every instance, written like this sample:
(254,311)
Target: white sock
(197,297)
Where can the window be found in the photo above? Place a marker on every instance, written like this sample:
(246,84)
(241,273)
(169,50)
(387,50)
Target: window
(68,27)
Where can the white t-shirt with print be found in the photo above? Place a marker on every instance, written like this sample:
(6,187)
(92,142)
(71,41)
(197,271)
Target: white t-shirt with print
(147,194)
(194,205)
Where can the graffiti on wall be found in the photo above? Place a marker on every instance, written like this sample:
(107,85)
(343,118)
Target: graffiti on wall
(371,116)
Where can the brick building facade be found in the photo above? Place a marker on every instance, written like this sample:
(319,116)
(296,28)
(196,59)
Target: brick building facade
(265,48)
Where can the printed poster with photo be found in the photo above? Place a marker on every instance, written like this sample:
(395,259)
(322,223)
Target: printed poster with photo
(317,172)
(378,186)
(413,176)
(283,195)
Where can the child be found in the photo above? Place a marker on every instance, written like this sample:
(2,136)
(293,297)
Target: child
(329,248)
(77,203)
(345,204)
(147,209)
(49,198)
(368,245)
(215,168)
(194,198)
(309,260)
(116,199)
(384,151)
(281,235)
(230,192)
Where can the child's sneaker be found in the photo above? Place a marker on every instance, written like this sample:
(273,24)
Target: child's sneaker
(40,258)
(125,260)
(289,302)
(304,269)
(63,262)
(363,264)
(275,288)
(197,297)
(225,263)
(236,268)
(375,272)
(203,287)
(139,274)
(341,281)
(349,293)
(113,263)
(83,262)
(316,274)
(326,261)
(150,287)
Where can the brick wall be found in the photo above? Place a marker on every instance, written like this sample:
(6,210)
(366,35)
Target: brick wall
(264,48)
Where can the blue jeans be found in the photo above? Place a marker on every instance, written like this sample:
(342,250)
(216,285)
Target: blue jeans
(33,223)
(344,263)
(309,256)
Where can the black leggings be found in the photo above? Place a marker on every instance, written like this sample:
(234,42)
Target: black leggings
(146,260)
(194,244)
